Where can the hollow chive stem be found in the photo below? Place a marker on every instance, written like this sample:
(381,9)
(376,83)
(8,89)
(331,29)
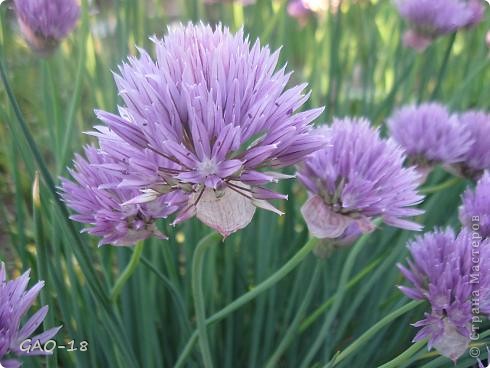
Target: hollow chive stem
(357,344)
(252,294)
(198,295)
(128,271)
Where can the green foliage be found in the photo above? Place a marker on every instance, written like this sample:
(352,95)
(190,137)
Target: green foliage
(355,65)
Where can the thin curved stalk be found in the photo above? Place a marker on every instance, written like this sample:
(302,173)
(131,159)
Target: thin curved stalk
(173,290)
(443,69)
(252,294)
(198,295)
(128,271)
(403,357)
(70,118)
(293,330)
(366,336)
(341,290)
(322,308)
(439,187)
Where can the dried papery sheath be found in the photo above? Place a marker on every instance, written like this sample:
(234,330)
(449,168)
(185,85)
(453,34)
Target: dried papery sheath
(217,110)
(357,176)
(44,23)
(446,271)
(15,301)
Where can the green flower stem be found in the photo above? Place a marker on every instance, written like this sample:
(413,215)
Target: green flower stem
(443,69)
(403,357)
(179,302)
(439,187)
(114,324)
(341,291)
(322,308)
(252,294)
(365,337)
(70,117)
(198,295)
(128,272)
(293,330)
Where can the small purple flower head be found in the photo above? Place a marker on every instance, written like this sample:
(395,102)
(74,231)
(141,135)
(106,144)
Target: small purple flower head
(15,302)
(44,23)
(297,9)
(302,9)
(356,177)
(474,212)
(217,109)
(430,135)
(430,19)
(443,271)
(99,197)
(477,159)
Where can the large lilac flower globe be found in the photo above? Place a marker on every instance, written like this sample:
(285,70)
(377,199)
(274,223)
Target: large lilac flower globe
(356,177)
(477,158)
(430,135)
(474,212)
(453,274)
(218,114)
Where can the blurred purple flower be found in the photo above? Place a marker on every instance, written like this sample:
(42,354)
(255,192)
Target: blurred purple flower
(15,302)
(429,135)
(474,212)
(477,8)
(217,109)
(302,9)
(477,159)
(297,9)
(98,196)
(44,23)
(429,19)
(356,177)
(443,271)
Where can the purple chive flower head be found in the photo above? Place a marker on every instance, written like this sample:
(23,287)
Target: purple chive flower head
(216,108)
(302,9)
(442,270)
(15,302)
(98,199)
(356,177)
(477,159)
(430,135)
(474,212)
(429,19)
(44,23)
(297,9)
